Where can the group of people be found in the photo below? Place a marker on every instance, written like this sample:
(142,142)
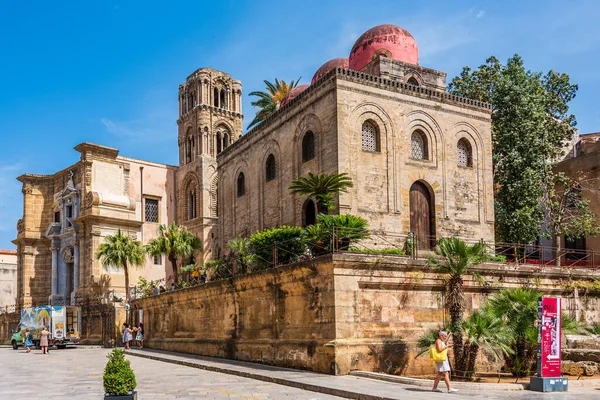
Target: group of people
(128,332)
(161,289)
(28,340)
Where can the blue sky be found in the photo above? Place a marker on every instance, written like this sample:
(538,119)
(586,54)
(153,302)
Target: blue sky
(107,71)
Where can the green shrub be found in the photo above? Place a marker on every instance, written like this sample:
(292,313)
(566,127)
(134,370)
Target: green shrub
(348,228)
(290,244)
(118,376)
(399,252)
(217,269)
(498,258)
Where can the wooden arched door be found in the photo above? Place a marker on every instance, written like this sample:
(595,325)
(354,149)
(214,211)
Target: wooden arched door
(422,216)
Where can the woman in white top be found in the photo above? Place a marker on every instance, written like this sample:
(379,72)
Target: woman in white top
(442,368)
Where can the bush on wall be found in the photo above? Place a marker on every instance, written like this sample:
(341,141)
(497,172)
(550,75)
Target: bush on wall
(290,244)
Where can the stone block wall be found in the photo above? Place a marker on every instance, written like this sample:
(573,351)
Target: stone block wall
(336,314)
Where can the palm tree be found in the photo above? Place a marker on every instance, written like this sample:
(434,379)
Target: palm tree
(121,250)
(322,188)
(241,251)
(269,101)
(174,241)
(454,257)
(518,308)
(483,330)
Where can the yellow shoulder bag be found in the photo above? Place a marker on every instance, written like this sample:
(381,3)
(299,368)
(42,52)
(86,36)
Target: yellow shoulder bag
(438,356)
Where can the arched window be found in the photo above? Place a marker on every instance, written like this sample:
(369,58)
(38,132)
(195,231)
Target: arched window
(412,81)
(241,185)
(308,146)
(188,151)
(270,168)
(216,97)
(418,146)
(222,98)
(191,204)
(309,213)
(370,137)
(464,153)
(225,140)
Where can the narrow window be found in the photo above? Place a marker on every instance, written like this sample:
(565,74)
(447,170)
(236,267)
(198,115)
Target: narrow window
(223,98)
(241,185)
(464,153)
(158,260)
(225,140)
(57,217)
(418,146)
(219,142)
(308,146)
(216,97)
(151,210)
(191,206)
(188,152)
(370,137)
(270,167)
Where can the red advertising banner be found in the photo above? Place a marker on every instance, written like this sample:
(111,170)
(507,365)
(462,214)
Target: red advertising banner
(549,334)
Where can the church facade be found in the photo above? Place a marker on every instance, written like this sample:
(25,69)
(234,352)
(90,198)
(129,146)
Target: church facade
(420,161)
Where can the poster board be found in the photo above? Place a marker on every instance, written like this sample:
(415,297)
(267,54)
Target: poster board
(549,337)
(58,322)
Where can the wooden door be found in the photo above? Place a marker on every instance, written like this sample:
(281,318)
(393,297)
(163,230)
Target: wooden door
(421,216)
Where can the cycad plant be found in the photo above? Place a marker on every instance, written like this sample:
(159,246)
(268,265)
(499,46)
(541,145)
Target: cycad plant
(121,251)
(322,188)
(483,330)
(174,241)
(241,251)
(268,102)
(452,256)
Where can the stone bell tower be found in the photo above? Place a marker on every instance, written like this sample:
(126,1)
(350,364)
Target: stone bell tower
(210,120)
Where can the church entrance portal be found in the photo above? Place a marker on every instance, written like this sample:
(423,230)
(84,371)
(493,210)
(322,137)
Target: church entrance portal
(422,216)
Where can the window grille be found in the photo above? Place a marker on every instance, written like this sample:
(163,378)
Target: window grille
(158,260)
(418,146)
(271,170)
(369,137)
(308,146)
(464,156)
(151,210)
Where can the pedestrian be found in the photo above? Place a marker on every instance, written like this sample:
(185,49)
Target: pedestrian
(162,289)
(127,337)
(139,336)
(172,286)
(442,367)
(44,340)
(28,341)
(154,290)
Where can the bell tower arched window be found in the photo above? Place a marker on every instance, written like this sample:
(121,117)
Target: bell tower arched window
(191,204)
(308,146)
(270,168)
(216,97)
(370,137)
(418,146)
(464,153)
(219,142)
(241,185)
(222,100)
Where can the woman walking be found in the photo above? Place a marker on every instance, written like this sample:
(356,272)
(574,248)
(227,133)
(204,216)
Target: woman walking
(139,336)
(44,340)
(28,341)
(442,367)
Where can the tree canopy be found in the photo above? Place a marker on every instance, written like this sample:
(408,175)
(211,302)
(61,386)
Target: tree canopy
(530,125)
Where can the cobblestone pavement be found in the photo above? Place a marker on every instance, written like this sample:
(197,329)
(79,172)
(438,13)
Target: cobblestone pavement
(77,374)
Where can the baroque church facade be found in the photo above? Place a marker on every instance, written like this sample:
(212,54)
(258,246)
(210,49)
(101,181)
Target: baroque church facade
(420,160)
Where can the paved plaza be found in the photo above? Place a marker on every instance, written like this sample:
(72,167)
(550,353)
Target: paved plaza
(77,374)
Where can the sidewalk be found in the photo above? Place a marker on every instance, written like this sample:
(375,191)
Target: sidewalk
(360,385)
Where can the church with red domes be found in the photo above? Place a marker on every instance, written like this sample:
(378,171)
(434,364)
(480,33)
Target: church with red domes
(420,159)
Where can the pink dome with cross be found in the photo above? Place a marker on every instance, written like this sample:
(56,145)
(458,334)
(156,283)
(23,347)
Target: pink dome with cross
(388,40)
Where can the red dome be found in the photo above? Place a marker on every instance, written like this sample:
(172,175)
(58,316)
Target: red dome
(328,66)
(390,40)
(292,94)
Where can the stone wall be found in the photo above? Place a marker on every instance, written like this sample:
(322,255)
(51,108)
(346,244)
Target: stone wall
(336,314)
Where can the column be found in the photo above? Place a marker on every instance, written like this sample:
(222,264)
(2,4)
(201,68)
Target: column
(54,250)
(76,266)
(62,276)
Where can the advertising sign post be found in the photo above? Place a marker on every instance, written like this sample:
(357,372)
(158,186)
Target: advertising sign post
(548,377)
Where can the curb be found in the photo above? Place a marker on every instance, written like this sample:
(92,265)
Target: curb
(280,381)
(429,382)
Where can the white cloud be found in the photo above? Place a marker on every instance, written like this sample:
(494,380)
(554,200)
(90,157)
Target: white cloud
(480,14)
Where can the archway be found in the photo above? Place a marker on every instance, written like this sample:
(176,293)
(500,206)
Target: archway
(422,215)
(309,213)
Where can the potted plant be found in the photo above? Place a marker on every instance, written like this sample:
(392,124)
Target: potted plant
(118,377)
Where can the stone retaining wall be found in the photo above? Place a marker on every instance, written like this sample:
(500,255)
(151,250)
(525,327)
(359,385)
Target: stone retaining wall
(335,314)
